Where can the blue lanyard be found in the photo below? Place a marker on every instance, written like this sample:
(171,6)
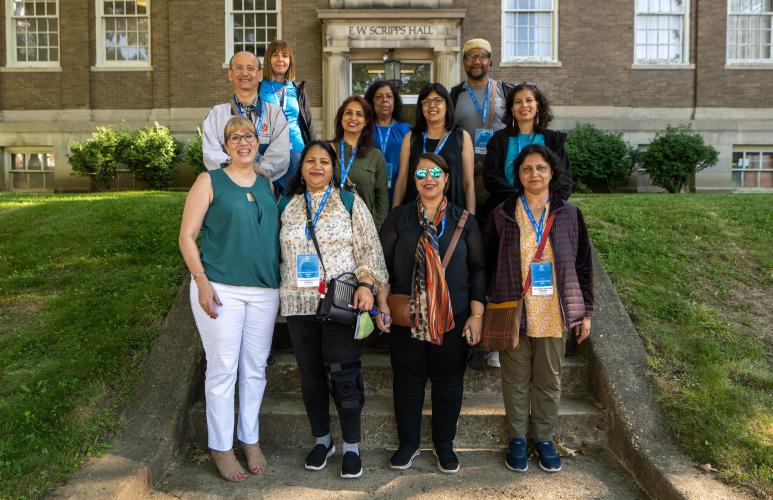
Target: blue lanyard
(282,103)
(439,148)
(318,212)
(260,115)
(345,173)
(538,228)
(384,140)
(532,136)
(483,112)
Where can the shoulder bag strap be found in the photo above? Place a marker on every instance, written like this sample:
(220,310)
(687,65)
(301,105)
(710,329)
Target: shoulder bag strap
(455,238)
(538,255)
(310,225)
(492,104)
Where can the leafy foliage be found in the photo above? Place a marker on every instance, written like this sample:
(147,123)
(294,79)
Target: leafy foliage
(195,153)
(100,156)
(601,160)
(151,155)
(675,155)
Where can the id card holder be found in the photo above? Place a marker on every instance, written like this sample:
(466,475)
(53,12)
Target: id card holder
(307,270)
(482,136)
(542,278)
(390,167)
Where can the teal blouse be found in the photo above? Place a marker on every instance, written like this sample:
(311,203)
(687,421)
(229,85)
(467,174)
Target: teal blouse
(240,240)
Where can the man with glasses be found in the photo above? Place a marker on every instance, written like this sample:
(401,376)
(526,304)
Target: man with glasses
(479,105)
(271,126)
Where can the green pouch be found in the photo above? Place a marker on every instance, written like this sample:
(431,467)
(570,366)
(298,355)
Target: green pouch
(364,326)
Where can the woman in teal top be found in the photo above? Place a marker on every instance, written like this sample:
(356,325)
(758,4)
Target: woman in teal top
(234,292)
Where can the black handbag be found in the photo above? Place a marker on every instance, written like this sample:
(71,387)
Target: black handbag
(336,303)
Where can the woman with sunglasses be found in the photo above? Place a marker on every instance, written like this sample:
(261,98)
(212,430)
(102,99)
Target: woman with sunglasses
(441,309)
(434,133)
(361,166)
(526,119)
(234,292)
(387,105)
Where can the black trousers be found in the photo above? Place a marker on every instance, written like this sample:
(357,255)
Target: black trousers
(415,361)
(318,346)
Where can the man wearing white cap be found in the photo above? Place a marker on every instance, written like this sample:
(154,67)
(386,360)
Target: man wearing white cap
(479,105)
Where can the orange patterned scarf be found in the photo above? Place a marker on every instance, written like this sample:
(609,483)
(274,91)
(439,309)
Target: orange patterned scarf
(431,311)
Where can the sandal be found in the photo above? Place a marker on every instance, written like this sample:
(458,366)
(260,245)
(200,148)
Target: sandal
(256,460)
(227,465)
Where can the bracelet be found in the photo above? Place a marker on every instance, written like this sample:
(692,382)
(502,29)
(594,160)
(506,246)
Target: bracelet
(368,286)
(196,276)
(476,315)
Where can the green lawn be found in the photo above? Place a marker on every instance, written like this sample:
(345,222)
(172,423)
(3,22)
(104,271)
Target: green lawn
(85,282)
(695,272)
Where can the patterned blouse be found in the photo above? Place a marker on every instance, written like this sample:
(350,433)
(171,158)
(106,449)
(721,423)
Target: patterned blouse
(543,312)
(341,251)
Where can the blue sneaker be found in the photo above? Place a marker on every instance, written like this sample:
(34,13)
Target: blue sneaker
(549,460)
(517,457)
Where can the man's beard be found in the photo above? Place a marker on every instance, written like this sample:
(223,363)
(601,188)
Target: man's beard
(481,76)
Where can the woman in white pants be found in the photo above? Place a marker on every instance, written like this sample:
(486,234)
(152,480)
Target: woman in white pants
(234,292)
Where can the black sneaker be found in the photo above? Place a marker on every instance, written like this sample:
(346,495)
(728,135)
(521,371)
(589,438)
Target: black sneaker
(446,460)
(317,457)
(403,457)
(351,466)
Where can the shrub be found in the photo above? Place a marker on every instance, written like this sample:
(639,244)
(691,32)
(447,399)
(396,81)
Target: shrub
(601,160)
(100,156)
(675,155)
(151,155)
(194,155)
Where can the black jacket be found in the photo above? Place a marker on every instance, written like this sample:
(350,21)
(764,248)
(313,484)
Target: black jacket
(504,90)
(306,121)
(494,165)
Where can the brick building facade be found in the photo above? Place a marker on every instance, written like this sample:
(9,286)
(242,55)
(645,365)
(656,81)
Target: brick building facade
(68,66)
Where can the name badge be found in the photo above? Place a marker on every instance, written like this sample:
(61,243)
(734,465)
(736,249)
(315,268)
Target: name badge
(482,136)
(542,278)
(389,175)
(307,270)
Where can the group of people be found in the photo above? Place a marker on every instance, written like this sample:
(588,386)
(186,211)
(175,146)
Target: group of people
(280,213)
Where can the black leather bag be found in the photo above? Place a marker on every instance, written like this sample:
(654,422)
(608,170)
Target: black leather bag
(336,305)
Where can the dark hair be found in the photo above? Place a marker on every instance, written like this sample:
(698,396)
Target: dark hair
(543,117)
(365,143)
(549,157)
(370,94)
(421,122)
(437,160)
(296,184)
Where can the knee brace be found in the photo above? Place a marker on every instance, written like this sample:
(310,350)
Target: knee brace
(344,382)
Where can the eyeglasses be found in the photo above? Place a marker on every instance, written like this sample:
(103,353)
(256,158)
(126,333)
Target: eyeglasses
(235,139)
(240,68)
(542,168)
(434,172)
(477,57)
(435,101)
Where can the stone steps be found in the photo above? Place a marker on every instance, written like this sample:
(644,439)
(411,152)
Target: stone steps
(283,376)
(481,424)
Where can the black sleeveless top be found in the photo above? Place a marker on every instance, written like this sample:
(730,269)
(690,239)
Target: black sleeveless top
(451,153)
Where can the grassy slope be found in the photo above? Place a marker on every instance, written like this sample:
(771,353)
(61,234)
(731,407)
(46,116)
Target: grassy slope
(696,275)
(85,282)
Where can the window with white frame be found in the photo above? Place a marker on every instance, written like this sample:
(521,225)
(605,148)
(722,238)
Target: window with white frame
(251,25)
(529,30)
(753,167)
(123,33)
(749,31)
(661,31)
(32,169)
(33,33)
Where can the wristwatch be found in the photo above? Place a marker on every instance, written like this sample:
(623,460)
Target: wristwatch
(368,286)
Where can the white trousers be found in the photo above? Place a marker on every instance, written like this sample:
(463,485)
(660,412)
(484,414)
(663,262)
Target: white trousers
(239,340)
